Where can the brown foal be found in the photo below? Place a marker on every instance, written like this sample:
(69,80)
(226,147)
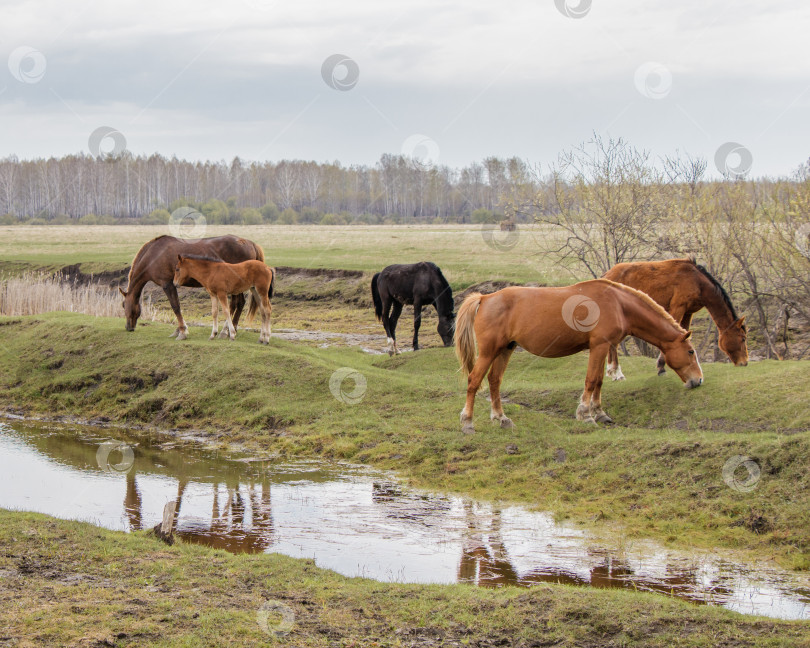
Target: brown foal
(222,279)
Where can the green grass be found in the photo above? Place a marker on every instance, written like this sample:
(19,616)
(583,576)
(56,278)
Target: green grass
(72,584)
(658,474)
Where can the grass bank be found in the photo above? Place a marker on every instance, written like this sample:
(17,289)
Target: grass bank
(658,474)
(72,584)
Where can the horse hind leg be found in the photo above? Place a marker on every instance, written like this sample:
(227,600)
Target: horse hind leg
(614,371)
(474,380)
(396,311)
(495,376)
(237,305)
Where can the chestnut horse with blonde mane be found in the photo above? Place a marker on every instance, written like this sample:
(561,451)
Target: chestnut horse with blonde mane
(222,279)
(558,322)
(682,288)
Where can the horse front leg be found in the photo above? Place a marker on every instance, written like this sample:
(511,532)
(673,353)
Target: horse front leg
(477,374)
(417,322)
(214,314)
(614,371)
(495,377)
(590,404)
(227,330)
(181,332)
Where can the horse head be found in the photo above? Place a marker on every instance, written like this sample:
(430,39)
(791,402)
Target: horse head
(180,271)
(733,342)
(447,326)
(132,308)
(681,357)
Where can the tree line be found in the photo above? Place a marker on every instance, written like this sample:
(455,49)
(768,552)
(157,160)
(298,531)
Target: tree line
(125,187)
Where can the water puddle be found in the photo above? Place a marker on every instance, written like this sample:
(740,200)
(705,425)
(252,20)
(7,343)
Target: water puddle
(355,521)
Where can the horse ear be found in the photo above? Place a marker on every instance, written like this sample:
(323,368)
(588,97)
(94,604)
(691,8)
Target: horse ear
(179,258)
(686,336)
(122,291)
(741,322)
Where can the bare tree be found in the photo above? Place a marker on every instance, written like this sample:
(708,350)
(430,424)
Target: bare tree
(604,202)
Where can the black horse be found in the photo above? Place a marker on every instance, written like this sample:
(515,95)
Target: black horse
(420,284)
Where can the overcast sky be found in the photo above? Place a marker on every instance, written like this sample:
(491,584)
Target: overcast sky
(454,81)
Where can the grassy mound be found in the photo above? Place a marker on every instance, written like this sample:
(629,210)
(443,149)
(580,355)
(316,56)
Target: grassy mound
(659,472)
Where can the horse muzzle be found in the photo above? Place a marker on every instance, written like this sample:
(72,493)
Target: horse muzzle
(693,382)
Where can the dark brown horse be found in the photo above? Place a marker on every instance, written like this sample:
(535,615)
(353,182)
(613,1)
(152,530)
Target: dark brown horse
(420,284)
(156,260)
(558,322)
(682,288)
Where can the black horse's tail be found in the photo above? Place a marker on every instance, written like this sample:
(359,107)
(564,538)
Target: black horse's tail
(375,295)
(272,283)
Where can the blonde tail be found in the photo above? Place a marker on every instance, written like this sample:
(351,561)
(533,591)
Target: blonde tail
(465,332)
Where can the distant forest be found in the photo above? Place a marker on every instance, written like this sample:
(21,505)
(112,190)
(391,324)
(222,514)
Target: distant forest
(127,188)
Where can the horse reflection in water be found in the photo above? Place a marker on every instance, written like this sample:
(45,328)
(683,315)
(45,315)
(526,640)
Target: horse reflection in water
(485,562)
(234,526)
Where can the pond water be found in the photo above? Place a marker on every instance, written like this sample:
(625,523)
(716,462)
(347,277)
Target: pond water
(353,520)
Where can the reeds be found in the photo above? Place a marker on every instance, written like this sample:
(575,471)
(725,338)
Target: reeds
(35,293)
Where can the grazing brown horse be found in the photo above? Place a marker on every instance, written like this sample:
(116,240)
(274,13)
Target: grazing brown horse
(682,288)
(221,279)
(558,322)
(155,261)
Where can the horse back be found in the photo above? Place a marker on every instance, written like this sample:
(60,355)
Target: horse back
(157,258)
(406,282)
(551,322)
(668,283)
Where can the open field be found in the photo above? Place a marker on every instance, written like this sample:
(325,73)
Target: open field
(460,250)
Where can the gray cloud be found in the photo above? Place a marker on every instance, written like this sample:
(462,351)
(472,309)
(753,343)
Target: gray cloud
(206,81)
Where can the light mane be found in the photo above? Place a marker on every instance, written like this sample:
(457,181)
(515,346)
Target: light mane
(654,305)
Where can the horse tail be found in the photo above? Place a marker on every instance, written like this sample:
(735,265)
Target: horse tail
(254,303)
(259,251)
(375,295)
(254,306)
(465,332)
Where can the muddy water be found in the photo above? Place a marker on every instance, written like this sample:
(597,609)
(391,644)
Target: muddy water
(352,520)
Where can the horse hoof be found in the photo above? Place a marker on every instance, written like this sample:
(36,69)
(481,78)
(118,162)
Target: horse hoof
(662,372)
(588,419)
(604,418)
(176,331)
(467,428)
(506,423)
(182,336)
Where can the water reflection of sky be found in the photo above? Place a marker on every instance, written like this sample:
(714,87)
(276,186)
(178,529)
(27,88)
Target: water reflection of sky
(359,523)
